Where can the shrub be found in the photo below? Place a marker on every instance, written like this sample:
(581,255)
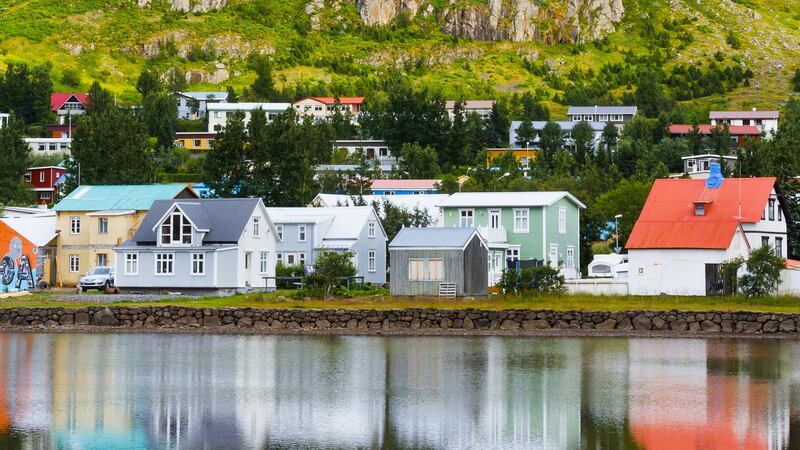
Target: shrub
(796,81)
(763,273)
(733,41)
(71,78)
(533,280)
(329,270)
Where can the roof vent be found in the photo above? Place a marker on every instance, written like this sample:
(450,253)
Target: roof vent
(715,179)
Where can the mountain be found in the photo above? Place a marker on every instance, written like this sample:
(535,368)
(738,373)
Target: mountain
(562,50)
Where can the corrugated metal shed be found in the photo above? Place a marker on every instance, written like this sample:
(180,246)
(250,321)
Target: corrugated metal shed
(120,197)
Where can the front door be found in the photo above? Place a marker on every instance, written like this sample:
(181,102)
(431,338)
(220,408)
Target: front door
(494,218)
(715,284)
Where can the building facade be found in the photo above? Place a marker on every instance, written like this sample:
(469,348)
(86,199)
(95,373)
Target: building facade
(765,121)
(45,183)
(618,115)
(26,243)
(49,146)
(739,134)
(196,142)
(194,105)
(372,148)
(66,104)
(482,108)
(323,108)
(404,187)
(218,113)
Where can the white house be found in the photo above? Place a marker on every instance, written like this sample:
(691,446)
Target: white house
(193,105)
(322,108)
(483,108)
(618,115)
(766,121)
(4,119)
(566,129)
(49,146)
(219,246)
(427,203)
(218,113)
(689,228)
(699,166)
(372,148)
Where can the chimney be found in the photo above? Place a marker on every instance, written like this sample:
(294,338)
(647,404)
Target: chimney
(714,180)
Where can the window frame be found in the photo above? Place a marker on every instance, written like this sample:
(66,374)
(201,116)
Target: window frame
(562,220)
(771,209)
(468,215)
(263,262)
(569,260)
(779,246)
(133,259)
(279,229)
(372,260)
(74,263)
(104,257)
(102,225)
(200,259)
(167,258)
(302,231)
(526,217)
(371,229)
(75,225)
(256,222)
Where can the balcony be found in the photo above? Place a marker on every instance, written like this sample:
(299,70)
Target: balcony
(493,235)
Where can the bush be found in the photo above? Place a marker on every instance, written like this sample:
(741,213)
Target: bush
(733,41)
(533,280)
(71,78)
(796,81)
(763,273)
(329,270)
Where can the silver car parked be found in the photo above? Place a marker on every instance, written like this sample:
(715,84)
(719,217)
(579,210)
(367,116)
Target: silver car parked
(99,278)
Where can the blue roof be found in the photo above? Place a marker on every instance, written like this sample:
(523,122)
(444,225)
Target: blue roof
(119,197)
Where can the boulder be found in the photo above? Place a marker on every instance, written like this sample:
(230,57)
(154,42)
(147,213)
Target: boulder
(678,325)
(81,318)
(787,325)
(608,324)
(642,322)
(625,325)
(104,317)
(538,324)
(710,326)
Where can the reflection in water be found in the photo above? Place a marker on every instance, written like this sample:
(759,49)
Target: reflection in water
(202,391)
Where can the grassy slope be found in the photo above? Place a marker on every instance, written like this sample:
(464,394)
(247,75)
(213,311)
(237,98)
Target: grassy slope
(36,31)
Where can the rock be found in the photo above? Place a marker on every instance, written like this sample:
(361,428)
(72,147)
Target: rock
(66,319)
(608,324)
(625,325)
(747,327)
(150,322)
(694,327)
(708,325)
(770,326)
(51,324)
(678,325)
(261,325)
(445,323)
(323,324)
(104,317)
(660,324)
(787,325)
(81,318)
(538,324)
(189,5)
(727,326)
(211,321)
(468,325)
(642,322)
(509,324)
(352,324)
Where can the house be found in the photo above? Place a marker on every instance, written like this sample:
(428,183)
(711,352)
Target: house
(524,156)
(92,220)
(218,113)
(483,108)
(4,117)
(372,148)
(404,187)
(322,108)
(618,115)
(689,228)
(699,166)
(566,129)
(431,261)
(49,146)
(19,211)
(193,105)
(531,227)
(384,169)
(739,133)
(59,131)
(26,243)
(66,104)
(45,182)
(427,203)
(197,142)
(765,121)
(304,233)
(210,246)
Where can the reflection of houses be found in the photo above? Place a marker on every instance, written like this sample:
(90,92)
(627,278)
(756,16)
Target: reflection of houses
(404,187)
(566,130)
(688,228)
(739,134)
(46,183)
(765,121)
(195,141)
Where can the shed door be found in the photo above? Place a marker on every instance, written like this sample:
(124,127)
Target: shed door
(715,285)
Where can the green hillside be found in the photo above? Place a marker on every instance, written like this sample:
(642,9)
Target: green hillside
(111,41)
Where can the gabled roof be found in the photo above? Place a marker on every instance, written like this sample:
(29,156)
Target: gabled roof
(581,110)
(340,222)
(57,99)
(215,96)
(38,229)
(120,197)
(248,106)
(333,100)
(514,199)
(423,202)
(754,114)
(434,237)
(734,130)
(471,104)
(668,220)
(224,218)
(405,184)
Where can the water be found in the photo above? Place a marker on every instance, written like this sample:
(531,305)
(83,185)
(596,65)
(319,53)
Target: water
(159,391)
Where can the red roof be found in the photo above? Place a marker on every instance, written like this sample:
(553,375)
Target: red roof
(734,130)
(404,184)
(58,99)
(342,100)
(668,220)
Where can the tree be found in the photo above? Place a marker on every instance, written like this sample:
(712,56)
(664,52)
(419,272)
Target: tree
(628,199)
(583,139)
(526,134)
(26,92)
(225,167)
(263,88)
(532,110)
(395,218)
(551,139)
(417,162)
(160,113)
(796,81)
(99,100)
(367,169)
(763,273)
(608,145)
(497,125)
(329,270)
(176,80)
(650,97)
(16,159)
(533,280)
(148,82)
(343,124)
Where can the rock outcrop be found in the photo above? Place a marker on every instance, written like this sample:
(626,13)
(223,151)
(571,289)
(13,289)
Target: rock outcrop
(189,5)
(516,20)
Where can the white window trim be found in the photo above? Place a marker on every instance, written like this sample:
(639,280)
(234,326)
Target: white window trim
(472,216)
(372,261)
(567,263)
(371,229)
(191,264)
(77,258)
(73,220)
(562,214)
(527,221)
(125,263)
(155,264)
(99,227)
(261,260)
(279,229)
(256,222)
(305,233)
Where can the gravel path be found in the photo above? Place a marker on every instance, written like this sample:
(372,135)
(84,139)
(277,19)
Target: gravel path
(113,298)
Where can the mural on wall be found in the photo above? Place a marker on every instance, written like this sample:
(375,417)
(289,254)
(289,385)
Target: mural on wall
(16,271)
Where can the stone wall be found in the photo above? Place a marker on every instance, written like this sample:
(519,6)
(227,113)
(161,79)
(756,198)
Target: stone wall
(412,321)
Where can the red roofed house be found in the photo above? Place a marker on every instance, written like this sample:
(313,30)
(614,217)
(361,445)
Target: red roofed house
(688,228)
(322,108)
(739,133)
(45,182)
(404,187)
(65,103)
(766,121)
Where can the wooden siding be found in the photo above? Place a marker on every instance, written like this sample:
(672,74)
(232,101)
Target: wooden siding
(476,268)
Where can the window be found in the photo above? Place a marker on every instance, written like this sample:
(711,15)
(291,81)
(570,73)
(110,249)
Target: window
(699,209)
(27,177)
(616,118)
(74,263)
(562,220)
(102,225)
(255,227)
(603,118)
(42,147)
(521,220)
(279,229)
(164,263)
(279,258)
(570,261)
(131,264)
(779,247)
(247,257)
(75,225)
(371,261)
(290,259)
(45,196)
(301,233)
(102,259)
(494,219)
(764,241)
(436,270)
(466,218)
(587,118)
(780,212)
(383,152)
(41,177)
(301,258)
(198,263)
(425,270)
(197,143)
(512,253)
(771,209)
(176,230)
(263,265)
(371,229)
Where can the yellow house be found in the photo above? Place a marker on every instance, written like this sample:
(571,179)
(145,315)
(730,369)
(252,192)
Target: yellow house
(92,220)
(196,142)
(524,156)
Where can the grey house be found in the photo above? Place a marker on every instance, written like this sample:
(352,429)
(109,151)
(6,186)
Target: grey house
(618,115)
(435,261)
(215,246)
(194,105)
(304,233)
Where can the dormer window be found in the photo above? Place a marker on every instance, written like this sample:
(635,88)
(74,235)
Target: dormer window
(699,209)
(176,230)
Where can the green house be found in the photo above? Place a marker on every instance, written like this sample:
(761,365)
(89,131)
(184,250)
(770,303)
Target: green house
(521,226)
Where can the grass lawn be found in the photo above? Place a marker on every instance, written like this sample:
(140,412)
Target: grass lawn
(561,302)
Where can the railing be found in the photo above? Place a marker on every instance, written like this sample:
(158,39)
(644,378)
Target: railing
(493,234)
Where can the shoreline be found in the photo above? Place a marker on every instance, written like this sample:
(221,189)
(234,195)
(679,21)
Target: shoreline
(400,322)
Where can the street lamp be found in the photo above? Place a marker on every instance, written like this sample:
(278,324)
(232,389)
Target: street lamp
(616,231)
(494,187)
(465,174)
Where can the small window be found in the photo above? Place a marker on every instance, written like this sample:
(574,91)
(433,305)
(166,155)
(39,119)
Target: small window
(301,258)
(41,177)
(74,263)
(75,225)
(699,209)
(466,218)
(436,270)
(255,227)
(263,265)
(301,233)
(102,259)
(164,264)
(290,259)
(521,220)
(780,212)
(279,229)
(771,209)
(197,143)
(416,270)
(45,196)
(131,264)
(102,225)
(764,241)
(371,229)
(279,258)
(198,263)
(27,177)
(562,220)
(779,247)
(512,254)
(570,261)
(371,261)
(247,257)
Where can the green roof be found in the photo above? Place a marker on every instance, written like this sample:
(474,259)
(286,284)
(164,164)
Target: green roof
(118,197)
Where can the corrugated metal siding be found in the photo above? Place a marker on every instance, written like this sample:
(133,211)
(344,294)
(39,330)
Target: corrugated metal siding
(476,269)
(453,271)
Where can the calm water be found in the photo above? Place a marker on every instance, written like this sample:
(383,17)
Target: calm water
(136,391)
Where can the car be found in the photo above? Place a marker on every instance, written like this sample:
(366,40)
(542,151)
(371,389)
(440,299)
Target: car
(100,278)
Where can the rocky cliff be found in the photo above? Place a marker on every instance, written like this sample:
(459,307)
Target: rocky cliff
(189,5)
(516,20)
